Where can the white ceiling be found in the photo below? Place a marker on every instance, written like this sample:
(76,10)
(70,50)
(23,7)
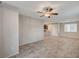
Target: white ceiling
(68,11)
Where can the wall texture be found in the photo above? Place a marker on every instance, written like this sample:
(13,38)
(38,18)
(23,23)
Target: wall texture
(9,32)
(69,34)
(31,30)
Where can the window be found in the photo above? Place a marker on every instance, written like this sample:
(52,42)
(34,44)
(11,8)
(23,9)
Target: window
(70,28)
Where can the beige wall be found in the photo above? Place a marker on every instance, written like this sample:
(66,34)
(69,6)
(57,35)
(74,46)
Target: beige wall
(72,34)
(9,32)
(31,30)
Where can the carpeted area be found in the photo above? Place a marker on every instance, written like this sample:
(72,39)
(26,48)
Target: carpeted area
(51,47)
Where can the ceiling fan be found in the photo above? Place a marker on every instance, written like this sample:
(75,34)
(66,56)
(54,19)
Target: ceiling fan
(47,11)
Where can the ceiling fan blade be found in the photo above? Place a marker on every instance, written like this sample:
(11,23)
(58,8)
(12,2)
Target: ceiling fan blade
(41,15)
(54,13)
(50,9)
(39,12)
(45,9)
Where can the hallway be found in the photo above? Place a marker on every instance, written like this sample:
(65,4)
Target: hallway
(51,47)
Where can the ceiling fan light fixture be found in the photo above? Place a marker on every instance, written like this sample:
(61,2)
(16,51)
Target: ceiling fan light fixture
(47,14)
(47,11)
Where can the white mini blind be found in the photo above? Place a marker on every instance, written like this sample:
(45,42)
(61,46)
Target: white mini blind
(70,28)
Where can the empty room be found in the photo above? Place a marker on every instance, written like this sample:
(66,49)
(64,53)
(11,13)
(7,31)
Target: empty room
(39,29)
